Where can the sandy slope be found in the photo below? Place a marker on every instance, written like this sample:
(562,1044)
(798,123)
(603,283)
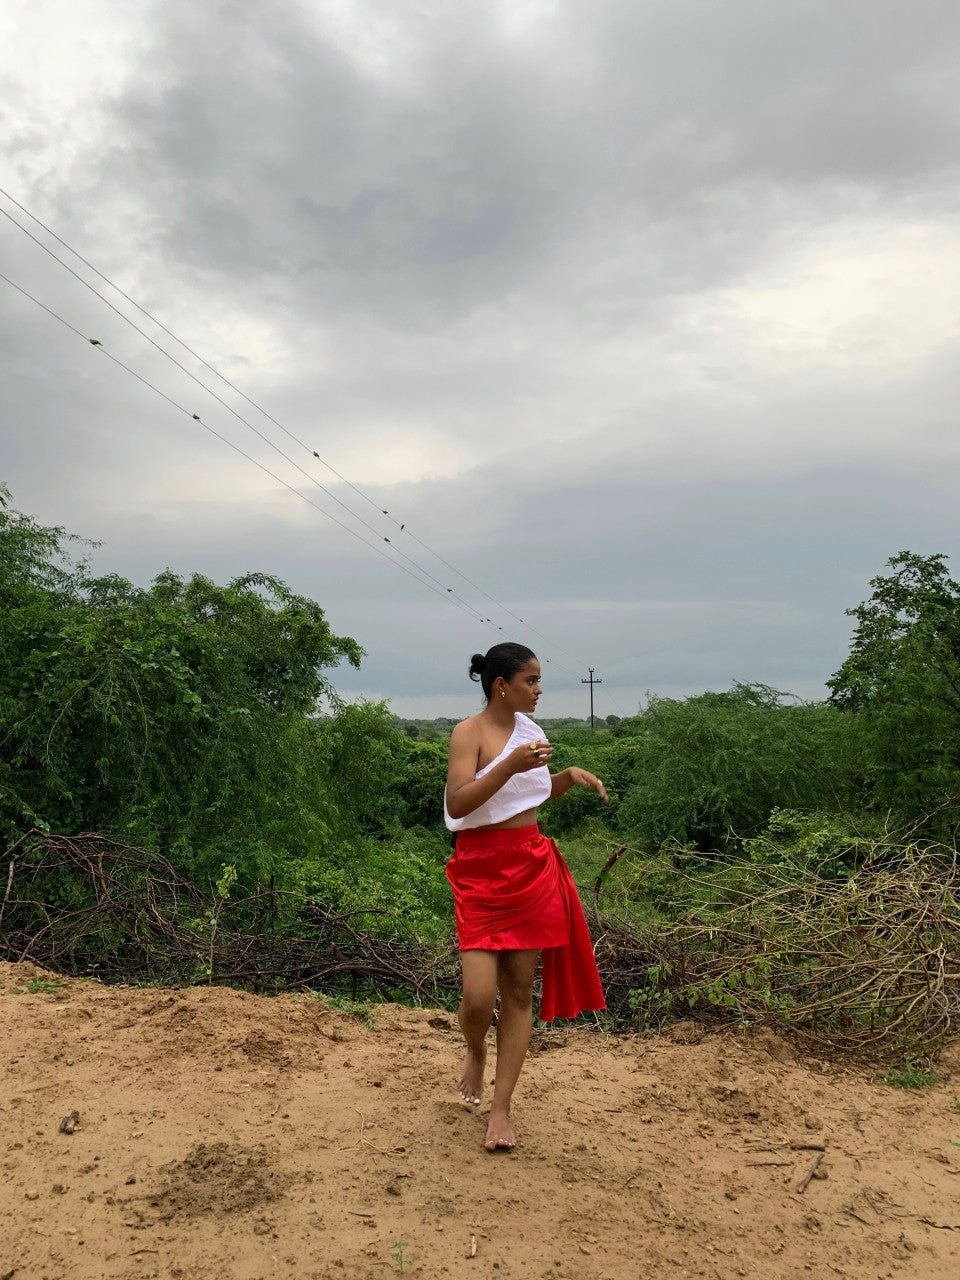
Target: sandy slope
(225,1135)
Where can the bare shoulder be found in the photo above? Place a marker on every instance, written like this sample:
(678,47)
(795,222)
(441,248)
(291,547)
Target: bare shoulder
(466,731)
(465,748)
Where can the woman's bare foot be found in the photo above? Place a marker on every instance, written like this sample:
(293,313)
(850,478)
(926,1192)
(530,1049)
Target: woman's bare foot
(471,1082)
(500,1135)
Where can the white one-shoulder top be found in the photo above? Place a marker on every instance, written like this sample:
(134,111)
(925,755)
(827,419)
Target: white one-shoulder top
(522,791)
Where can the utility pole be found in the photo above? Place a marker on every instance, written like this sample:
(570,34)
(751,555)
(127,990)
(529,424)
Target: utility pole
(591,682)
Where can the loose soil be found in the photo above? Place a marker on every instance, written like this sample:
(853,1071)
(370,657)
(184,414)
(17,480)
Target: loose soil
(225,1136)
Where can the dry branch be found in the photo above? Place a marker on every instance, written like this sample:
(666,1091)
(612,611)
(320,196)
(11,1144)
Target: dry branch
(866,966)
(805,1180)
(89,904)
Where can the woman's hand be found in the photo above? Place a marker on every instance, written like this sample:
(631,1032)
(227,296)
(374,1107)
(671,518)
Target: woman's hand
(580,778)
(530,755)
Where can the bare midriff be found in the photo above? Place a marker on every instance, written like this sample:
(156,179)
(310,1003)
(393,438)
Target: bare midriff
(525,819)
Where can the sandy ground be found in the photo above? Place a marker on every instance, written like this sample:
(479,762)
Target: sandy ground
(224,1135)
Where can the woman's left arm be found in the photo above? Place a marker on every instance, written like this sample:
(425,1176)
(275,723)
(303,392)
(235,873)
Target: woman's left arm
(567,778)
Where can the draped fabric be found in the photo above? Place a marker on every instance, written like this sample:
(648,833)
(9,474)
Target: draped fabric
(512,891)
(524,790)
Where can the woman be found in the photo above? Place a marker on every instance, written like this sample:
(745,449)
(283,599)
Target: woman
(513,894)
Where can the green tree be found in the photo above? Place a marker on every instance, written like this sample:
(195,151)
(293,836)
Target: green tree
(711,768)
(902,682)
(357,754)
(177,713)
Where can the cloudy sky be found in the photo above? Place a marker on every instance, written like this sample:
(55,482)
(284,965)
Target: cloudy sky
(641,316)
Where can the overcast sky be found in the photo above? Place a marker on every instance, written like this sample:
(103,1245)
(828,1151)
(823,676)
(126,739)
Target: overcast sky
(643,315)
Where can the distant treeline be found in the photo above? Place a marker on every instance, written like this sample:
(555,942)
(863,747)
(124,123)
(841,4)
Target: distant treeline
(438,729)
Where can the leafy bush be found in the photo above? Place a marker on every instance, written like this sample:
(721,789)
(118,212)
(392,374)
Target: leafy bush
(177,713)
(403,878)
(580,807)
(709,769)
(832,844)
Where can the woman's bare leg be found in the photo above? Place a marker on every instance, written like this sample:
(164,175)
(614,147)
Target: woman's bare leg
(515,973)
(475,1015)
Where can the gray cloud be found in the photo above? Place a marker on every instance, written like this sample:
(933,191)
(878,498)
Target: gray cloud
(644,316)
(274,158)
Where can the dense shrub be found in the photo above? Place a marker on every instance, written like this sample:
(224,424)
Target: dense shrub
(177,713)
(712,768)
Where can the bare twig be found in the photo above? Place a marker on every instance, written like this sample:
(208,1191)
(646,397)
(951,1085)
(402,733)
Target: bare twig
(3,904)
(598,883)
(363,1141)
(809,1174)
(866,966)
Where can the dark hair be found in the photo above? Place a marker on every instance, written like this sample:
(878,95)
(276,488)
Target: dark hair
(502,660)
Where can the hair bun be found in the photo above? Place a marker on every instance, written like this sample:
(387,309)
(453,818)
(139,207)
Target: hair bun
(477,663)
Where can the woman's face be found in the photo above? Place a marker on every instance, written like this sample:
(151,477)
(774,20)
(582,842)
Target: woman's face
(523,688)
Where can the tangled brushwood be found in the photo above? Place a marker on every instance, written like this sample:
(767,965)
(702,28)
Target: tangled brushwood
(92,905)
(866,965)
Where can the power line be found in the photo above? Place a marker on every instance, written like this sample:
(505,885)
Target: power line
(261,410)
(169,332)
(95,342)
(195,417)
(266,439)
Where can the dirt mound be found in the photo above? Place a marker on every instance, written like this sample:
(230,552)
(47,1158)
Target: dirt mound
(224,1135)
(217,1178)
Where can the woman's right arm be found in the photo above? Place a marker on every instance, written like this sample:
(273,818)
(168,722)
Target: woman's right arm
(465,791)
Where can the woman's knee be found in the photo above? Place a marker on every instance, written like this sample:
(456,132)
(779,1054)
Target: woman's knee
(516,973)
(477,1004)
(517,991)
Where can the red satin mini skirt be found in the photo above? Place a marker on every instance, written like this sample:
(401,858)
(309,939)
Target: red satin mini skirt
(513,891)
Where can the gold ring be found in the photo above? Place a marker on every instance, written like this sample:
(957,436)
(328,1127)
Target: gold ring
(533,748)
